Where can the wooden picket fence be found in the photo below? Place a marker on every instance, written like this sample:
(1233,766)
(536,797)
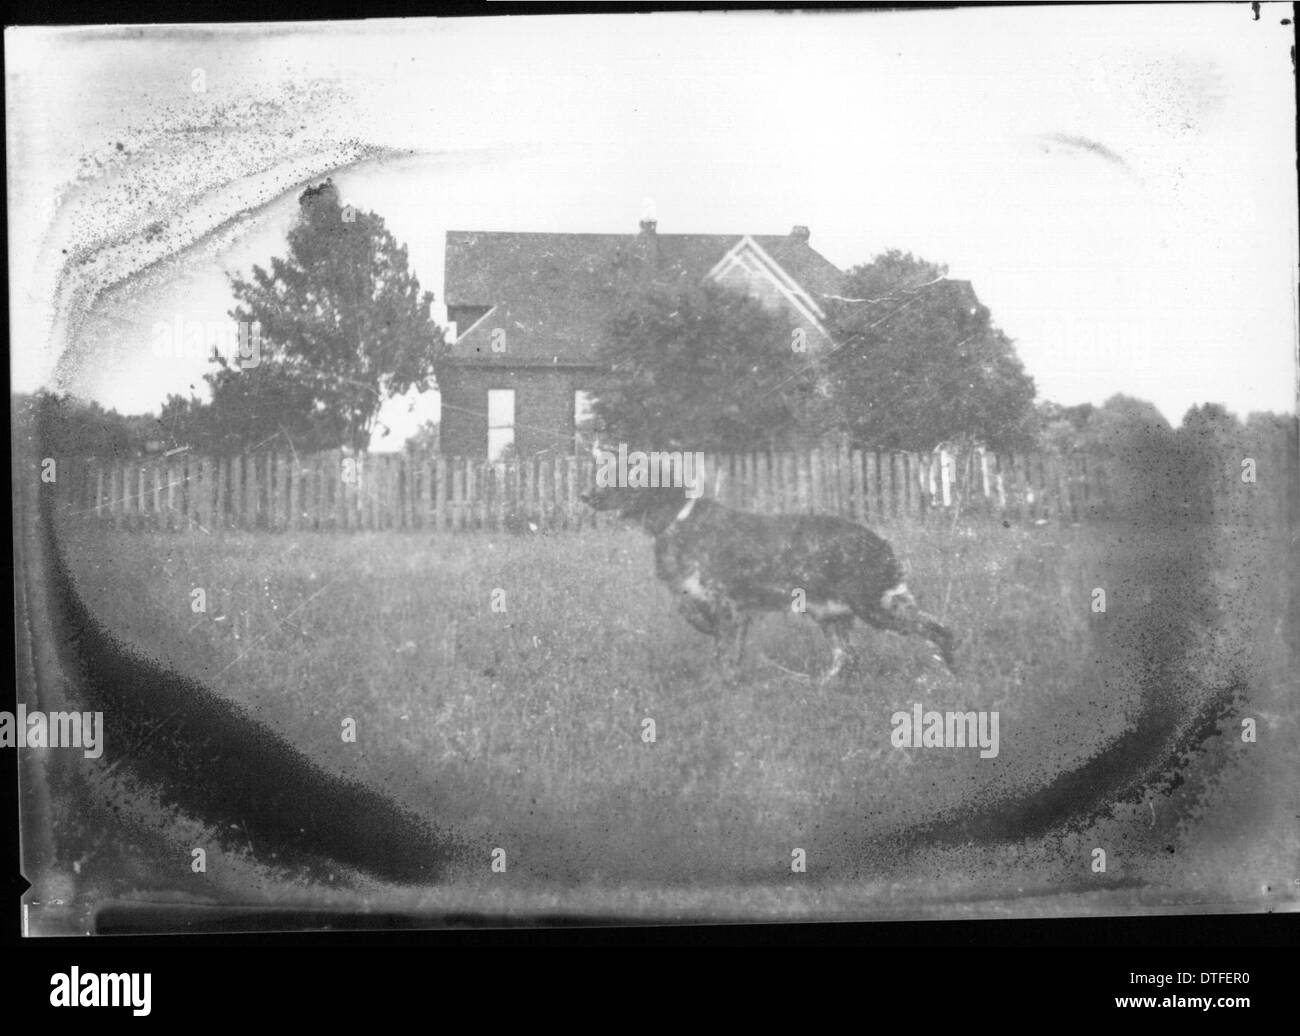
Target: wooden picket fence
(334,491)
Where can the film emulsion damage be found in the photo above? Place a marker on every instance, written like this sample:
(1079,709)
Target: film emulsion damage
(408,534)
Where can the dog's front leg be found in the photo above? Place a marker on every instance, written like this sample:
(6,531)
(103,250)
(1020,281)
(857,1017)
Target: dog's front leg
(733,625)
(738,644)
(836,631)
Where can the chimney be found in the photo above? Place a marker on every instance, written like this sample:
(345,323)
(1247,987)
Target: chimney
(800,234)
(650,246)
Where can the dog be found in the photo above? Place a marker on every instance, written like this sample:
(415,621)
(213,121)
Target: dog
(726,566)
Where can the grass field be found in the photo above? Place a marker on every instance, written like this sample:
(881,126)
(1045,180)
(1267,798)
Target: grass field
(523,728)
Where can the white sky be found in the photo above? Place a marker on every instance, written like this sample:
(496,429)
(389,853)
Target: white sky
(1117,182)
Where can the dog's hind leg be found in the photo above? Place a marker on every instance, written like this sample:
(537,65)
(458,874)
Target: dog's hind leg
(699,614)
(897,610)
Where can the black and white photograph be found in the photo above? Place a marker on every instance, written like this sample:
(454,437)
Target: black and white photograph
(677,467)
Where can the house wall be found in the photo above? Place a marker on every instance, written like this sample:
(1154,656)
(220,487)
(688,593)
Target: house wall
(543,407)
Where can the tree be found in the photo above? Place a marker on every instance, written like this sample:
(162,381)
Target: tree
(68,426)
(343,325)
(701,367)
(1210,424)
(425,441)
(919,361)
(1061,429)
(1118,427)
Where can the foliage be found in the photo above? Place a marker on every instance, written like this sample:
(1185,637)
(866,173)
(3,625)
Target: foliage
(919,361)
(425,441)
(70,427)
(343,325)
(701,367)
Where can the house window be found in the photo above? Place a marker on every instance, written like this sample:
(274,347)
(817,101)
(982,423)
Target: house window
(501,422)
(586,427)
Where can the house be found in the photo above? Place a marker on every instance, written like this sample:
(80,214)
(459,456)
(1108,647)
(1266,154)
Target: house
(528,310)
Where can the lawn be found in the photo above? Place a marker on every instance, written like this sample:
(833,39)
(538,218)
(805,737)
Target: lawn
(521,727)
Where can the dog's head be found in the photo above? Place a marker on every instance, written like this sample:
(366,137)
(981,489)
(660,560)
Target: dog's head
(645,505)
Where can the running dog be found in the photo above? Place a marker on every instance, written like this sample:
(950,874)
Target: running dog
(727,565)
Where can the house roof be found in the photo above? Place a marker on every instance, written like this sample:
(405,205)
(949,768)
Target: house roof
(552,293)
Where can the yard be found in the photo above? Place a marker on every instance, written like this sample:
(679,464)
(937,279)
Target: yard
(522,727)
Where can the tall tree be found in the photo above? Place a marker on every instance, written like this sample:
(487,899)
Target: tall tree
(918,361)
(701,367)
(343,325)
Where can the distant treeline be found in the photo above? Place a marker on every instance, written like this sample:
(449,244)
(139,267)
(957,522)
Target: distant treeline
(1123,428)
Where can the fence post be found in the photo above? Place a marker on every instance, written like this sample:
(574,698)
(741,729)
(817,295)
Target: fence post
(319,507)
(500,505)
(898,471)
(155,469)
(910,467)
(556,499)
(426,493)
(571,489)
(390,503)
(236,496)
(274,509)
(384,516)
(985,486)
(867,472)
(349,478)
(200,477)
(223,493)
(1024,491)
(816,483)
(295,496)
(1061,483)
(894,472)
(465,489)
(250,491)
(857,487)
(440,494)
(925,484)
(371,486)
(408,490)
(124,488)
(173,483)
(454,492)
(526,504)
(470,507)
(334,465)
(320,491)
(393,498)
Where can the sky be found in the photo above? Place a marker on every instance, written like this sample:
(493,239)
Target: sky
(1117,182)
